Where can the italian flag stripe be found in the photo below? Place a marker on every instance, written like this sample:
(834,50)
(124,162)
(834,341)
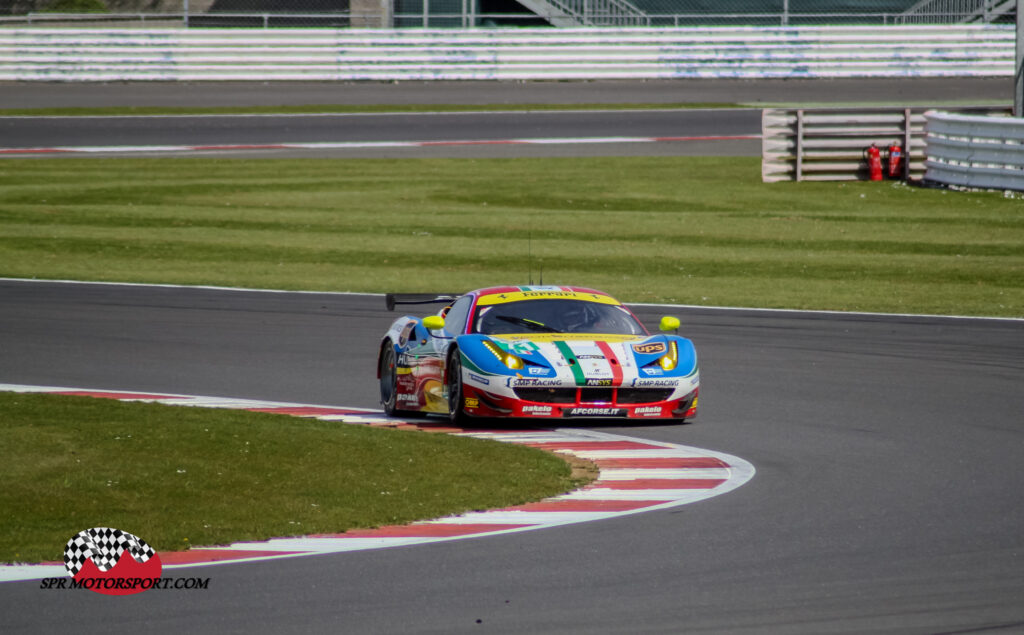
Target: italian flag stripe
(574,363)
(613,362)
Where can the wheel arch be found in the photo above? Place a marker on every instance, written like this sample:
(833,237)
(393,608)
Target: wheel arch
(451,352)
(384,344)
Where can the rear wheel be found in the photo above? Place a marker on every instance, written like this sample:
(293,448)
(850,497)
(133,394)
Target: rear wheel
(388,380)
(455,394)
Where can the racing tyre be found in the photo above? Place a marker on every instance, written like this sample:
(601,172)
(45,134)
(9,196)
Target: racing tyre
(455,395)
(388,380)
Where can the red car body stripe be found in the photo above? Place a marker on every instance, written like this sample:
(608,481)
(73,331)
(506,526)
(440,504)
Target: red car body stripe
(613,361)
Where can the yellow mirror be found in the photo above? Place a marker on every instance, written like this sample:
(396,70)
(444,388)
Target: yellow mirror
(669,323)
(433,323)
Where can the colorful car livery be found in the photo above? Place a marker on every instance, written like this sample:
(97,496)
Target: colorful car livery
(535,352)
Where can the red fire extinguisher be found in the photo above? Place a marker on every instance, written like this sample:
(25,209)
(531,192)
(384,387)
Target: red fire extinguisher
(874,159)
(895,161)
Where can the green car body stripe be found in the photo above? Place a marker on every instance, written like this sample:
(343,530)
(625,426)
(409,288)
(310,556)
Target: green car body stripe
(574,363)
(468,364)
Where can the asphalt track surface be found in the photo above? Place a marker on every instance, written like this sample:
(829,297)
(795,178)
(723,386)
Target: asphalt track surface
(479,127)
(476,127)
(920,91)
(888,495)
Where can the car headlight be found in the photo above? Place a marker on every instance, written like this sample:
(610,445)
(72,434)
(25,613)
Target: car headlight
(508,359)
(670,359)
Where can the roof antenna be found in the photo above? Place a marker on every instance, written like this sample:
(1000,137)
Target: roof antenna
(529,253)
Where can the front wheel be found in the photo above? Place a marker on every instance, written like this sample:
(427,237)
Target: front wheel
(388,381)
(456,415)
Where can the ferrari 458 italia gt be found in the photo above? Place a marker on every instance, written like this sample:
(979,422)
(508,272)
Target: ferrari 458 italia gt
(535,352)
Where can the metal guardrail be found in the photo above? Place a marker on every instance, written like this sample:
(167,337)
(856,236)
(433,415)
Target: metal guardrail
(504,54)
(600,13)
(975,151)
(85,18)
(828,144)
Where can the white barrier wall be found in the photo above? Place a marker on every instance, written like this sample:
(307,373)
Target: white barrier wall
(31,54)
(970,151)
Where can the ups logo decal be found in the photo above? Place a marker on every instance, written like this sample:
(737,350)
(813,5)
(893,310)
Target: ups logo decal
(648,349)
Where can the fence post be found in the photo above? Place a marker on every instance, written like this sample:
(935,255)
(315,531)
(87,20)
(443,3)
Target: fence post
(907,138)
(1018,68)
(799,145)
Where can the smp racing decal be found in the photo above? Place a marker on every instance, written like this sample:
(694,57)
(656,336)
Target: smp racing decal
(114,562)
(531,382)
(655,383)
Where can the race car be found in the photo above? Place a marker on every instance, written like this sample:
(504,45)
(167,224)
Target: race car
(547,352)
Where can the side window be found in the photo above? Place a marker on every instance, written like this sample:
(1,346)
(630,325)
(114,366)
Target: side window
(455,321)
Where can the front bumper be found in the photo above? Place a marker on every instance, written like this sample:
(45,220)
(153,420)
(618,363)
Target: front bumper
(584,402)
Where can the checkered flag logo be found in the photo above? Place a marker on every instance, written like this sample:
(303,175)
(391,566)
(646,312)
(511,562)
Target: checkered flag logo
(104,546)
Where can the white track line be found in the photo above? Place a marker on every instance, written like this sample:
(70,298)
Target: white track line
(643,304)
(357,145)
(397,113)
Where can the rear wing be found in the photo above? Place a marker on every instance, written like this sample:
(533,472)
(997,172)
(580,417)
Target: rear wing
(391,299)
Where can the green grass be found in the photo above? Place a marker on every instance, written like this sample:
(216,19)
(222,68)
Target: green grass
(305,109)
(665,229)
(179,477)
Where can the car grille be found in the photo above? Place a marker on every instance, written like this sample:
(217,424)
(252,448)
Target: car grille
(547,395)
(594,395)
(643,395)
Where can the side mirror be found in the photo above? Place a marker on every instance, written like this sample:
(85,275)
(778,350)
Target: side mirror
(669,324)
(433,323)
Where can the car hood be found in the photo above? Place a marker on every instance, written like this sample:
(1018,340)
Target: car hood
(569,359)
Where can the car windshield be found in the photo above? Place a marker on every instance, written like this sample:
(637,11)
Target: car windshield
(555,316)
